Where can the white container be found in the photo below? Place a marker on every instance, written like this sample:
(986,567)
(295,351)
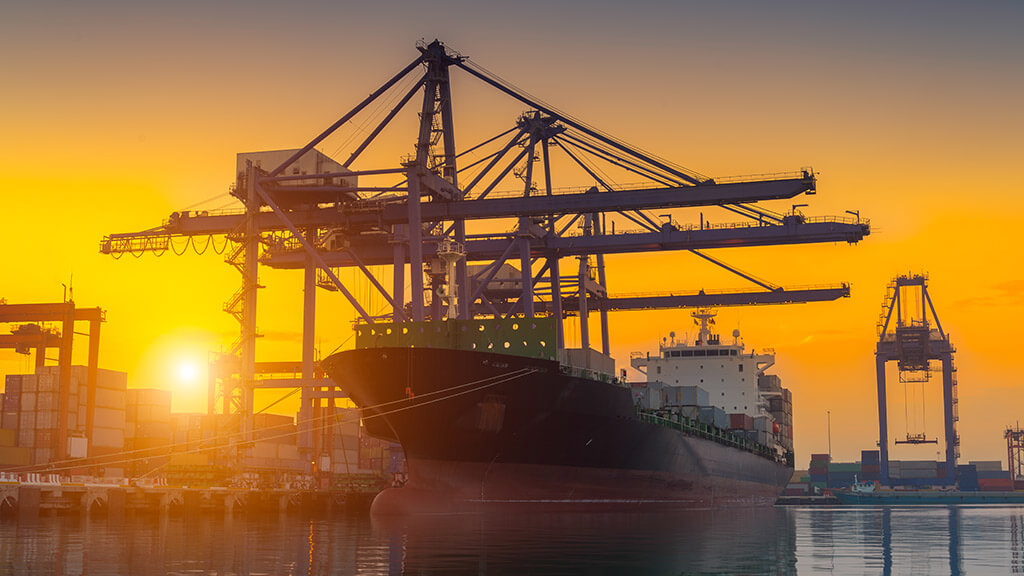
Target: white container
(77,447)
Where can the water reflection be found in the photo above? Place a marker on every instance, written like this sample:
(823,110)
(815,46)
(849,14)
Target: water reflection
(747,541)
(1017,543)
(954,540)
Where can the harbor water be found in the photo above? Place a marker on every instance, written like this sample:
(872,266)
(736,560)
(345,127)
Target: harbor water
(797,540)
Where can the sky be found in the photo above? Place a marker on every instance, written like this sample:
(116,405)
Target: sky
(115,114)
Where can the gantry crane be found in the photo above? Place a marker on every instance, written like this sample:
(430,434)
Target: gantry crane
(28,336)
(907,336)
(1015,455)
(325,220)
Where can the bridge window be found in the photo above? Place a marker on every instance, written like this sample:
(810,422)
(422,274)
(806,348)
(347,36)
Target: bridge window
(675,353)
(688,353)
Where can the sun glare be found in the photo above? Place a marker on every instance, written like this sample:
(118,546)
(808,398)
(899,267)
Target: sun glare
(188,372)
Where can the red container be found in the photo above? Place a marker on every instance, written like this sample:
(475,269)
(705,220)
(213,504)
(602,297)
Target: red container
(741,422)
(995,484)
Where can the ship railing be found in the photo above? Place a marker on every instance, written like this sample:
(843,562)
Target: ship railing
(700,429)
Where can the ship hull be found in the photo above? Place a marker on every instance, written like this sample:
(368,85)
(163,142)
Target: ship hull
(483,430)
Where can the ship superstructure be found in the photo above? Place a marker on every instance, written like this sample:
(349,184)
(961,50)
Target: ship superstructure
(720,383)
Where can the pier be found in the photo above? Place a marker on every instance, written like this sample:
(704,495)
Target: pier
(40,494)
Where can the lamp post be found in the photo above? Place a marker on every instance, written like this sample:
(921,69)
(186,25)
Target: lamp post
(828,414)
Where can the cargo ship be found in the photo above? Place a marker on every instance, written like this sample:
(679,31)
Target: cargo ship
(490,414)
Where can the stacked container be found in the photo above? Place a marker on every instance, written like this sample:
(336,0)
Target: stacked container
(841,475)
(992,477)
(769,383)
(684,396)
(9,407)
(345,458)
(648,395)
(818,470)
(147,429)
(895,469)
(713,416)
(37,417)
(10,453)
(378,456)
(31,405)
(199,433)
(109,416)
(741,421)
(274,446)
(967,477)
(782,409)
(796,489)
(923,469)
(870,465)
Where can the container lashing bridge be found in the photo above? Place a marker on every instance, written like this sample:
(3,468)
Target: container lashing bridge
(440,196)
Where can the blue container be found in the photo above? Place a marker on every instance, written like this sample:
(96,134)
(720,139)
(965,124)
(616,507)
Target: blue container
(969,485)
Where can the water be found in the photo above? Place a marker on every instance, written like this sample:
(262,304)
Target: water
(912,540)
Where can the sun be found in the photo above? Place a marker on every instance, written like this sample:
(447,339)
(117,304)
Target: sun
(188,372)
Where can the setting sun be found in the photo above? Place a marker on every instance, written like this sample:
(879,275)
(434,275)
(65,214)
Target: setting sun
(188,372)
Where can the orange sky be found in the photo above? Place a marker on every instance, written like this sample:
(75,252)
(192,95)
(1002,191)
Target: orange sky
(115,115)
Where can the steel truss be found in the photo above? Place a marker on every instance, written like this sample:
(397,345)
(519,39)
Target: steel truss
(317,223)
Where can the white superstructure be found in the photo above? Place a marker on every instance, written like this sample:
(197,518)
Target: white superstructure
(726,371)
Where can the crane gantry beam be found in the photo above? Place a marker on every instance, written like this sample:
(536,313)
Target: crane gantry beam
(373,252)
(375,212)
(699,299)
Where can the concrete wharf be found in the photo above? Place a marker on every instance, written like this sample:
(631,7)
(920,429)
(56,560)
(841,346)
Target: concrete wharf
(34,494)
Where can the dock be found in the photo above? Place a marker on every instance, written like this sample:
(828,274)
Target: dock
(43,494)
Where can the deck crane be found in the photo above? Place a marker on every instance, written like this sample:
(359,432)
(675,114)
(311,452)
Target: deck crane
(325,220)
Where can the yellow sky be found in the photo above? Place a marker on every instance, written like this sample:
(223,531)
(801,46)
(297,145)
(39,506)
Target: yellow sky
(114,116)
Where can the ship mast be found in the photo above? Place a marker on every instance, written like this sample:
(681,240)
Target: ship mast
(704,317)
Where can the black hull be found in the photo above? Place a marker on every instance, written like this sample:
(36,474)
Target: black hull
(482,429)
